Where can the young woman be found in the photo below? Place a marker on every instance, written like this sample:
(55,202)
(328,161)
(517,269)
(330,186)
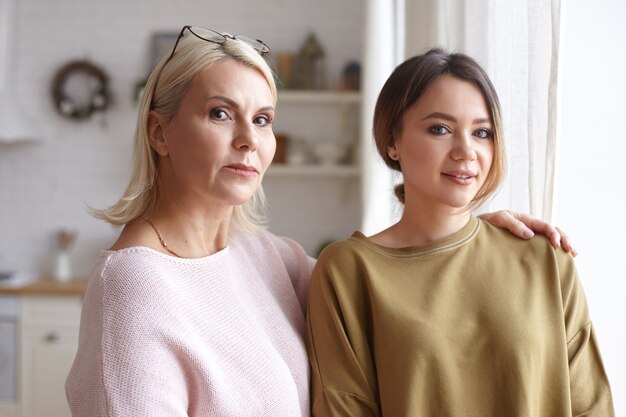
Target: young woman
(443,314)
(196,310)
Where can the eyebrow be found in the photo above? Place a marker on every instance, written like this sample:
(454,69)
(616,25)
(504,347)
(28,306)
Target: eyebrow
(445,116)
(234,104)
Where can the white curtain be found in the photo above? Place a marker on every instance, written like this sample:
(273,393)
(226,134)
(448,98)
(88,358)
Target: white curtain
(517,42)
(384,44)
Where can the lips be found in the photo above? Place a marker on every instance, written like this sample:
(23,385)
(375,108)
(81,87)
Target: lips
(461,173)
(242,169)
(460,176)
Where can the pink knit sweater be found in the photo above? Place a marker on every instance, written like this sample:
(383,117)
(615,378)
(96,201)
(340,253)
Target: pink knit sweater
(215,336)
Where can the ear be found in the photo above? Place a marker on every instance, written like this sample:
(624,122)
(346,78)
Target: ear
(156,133)
(392,151)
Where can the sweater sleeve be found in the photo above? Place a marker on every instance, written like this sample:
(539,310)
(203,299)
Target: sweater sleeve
(343,376)
(298,264)
(125,364)
(590,391)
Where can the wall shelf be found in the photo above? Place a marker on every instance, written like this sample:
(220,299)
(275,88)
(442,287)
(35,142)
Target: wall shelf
(318,97)
(313,171)
(309,201)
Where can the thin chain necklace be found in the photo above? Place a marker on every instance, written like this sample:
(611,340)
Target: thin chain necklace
(167,248)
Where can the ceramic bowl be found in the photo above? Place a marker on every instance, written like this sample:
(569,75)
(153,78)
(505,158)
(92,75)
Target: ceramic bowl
(329,153)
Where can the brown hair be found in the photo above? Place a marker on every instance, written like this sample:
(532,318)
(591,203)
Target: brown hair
(406,85)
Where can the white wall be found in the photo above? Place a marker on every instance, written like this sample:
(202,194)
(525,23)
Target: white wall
(591,201)
(46,186)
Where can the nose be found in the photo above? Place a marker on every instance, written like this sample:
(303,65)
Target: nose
(463,148)
(246,137)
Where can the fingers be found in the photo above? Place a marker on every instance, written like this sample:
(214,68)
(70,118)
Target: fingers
(556,236)
(541,227)
(525,226)
(509,220)
(566,244)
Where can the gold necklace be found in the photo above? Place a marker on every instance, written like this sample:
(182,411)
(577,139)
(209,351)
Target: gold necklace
(167,248)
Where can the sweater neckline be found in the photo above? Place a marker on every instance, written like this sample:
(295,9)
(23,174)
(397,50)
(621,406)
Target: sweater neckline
(455,240)
(153,252)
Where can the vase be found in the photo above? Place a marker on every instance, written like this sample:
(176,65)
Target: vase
(62,269)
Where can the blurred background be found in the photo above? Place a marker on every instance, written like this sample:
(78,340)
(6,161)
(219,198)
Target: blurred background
(72,71)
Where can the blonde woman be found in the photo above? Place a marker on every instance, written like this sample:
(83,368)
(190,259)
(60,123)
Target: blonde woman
(196,310)
(443,314)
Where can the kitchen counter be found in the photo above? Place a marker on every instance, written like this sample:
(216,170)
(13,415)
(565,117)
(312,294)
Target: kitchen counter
(47,287)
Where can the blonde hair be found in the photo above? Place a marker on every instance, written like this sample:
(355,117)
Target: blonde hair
(163,93)
(405,86)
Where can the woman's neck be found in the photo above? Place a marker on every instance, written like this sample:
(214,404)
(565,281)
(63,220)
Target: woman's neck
(420,226)
(192,230)
(425,228)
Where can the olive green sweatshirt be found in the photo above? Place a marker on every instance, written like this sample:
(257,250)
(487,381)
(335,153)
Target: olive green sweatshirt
(478,324)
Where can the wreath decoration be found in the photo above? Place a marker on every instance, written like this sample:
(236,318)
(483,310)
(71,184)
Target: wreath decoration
(80,89)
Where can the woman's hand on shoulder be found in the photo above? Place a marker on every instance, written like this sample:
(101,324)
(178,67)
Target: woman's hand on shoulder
(525,226)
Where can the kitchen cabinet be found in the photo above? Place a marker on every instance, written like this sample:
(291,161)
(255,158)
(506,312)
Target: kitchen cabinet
(9,313)
(49,340)
(311,198)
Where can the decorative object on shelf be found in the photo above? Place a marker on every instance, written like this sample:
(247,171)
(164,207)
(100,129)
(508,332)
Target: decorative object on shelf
(285,64)
(340,111)
(80,89)
(352,76)
(62,266)
(297,153)
(161,44)
(310,71)
(282,143)
(329,153)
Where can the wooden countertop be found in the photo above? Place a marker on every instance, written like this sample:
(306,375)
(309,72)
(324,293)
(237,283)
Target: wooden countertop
(47,287)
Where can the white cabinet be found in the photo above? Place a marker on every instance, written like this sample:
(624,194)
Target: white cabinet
(311,200)
(49,340)
(9,313)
